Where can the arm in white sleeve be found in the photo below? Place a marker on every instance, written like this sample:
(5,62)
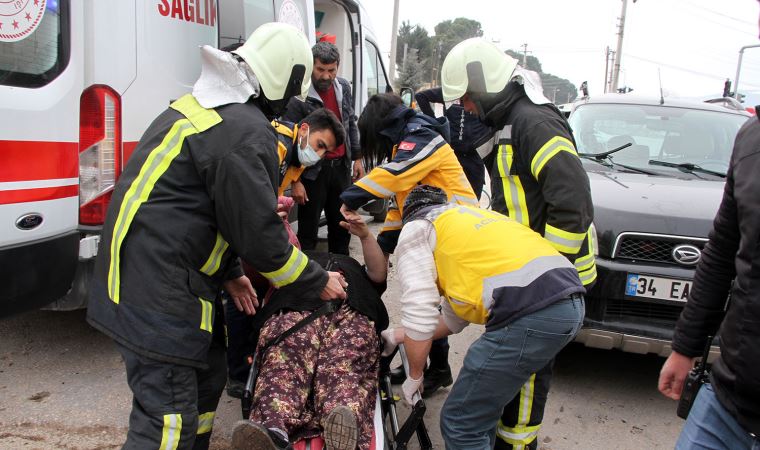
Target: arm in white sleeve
(417,274)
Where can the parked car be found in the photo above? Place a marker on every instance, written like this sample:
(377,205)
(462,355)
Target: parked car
(657,168)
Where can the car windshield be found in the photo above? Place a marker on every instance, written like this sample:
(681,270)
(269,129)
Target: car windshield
(679,137)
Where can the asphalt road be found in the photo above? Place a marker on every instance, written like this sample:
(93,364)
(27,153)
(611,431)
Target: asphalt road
(63,386)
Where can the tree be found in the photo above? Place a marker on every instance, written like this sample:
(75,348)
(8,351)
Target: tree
(415,37)
(448,34)
(556,89)
(411,73)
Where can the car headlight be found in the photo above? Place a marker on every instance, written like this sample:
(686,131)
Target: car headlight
(594,241)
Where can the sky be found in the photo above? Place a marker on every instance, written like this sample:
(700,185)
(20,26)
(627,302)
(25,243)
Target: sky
(693,44)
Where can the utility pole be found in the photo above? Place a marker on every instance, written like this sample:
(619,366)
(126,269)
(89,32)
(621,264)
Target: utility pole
(608,75)
(525,55)
(394,39)
(606,67)
(619,51)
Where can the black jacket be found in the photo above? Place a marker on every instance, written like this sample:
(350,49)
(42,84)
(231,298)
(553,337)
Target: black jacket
(733,252)
(297,110)
(199,188)
(363,295)
(537,178)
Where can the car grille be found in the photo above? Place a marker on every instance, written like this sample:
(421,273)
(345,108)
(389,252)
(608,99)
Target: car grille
(642,247)
(618,309)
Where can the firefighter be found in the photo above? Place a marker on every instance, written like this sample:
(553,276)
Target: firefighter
(417,151)
(536,179)
(199,189)
(491,271)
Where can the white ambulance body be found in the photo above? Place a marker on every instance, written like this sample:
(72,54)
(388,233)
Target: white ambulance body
(80,81)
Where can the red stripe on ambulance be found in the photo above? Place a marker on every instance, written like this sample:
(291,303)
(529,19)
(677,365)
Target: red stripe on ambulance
(30,160)
(38,194)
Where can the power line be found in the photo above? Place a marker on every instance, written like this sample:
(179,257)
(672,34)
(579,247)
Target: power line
(682,69)
(718,13)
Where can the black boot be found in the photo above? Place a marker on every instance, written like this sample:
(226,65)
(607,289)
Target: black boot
(398,375)
(435,378)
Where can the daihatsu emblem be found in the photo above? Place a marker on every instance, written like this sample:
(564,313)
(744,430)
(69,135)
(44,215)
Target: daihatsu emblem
(688,255)
(29,221)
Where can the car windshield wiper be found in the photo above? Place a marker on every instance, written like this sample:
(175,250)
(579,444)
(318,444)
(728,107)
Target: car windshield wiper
(604,155)
(686,167)
(604,159)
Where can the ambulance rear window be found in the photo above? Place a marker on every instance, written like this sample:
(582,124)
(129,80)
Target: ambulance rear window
(34,42)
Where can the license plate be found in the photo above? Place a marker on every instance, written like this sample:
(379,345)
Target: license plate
(657,287)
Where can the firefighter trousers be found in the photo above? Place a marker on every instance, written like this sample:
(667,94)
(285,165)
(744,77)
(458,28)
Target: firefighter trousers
(173,406)
(522,417)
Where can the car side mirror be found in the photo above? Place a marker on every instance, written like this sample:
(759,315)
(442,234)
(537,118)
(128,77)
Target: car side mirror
(407,96)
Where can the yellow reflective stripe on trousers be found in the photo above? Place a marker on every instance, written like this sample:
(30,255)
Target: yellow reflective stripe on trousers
(215,258)
(564,241)
(290,271)
(514,194)
(171,431)
(207,315)
(155,165)
(544,154)
(521,434)
(206,422)
(519,437)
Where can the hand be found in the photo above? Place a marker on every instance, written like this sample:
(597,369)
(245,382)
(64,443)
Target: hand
(358,229)
(389,341)
(282,210)
(298,192)
(243,294)
(358,171)
(350,215)
(335,287)
(673,374)
(410,387)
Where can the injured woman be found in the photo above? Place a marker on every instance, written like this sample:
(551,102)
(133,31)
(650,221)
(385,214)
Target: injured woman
(322,379)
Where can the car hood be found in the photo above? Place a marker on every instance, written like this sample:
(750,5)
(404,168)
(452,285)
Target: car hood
(652,204)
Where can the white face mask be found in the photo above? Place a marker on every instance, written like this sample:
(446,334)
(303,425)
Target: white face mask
(306,155)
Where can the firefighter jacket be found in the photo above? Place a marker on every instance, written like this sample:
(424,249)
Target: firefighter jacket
(290,168)
(420,155)
(492,270)
(199,189)
(538,180)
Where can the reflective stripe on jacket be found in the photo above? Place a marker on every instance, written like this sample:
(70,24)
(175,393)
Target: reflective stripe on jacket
(198,191)
(290,168)
(493,270)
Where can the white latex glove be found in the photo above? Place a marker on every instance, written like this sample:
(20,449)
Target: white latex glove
(410,387)
(389,341)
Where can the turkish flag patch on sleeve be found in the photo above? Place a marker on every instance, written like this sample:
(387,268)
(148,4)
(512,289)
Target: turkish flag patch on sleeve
(406,146)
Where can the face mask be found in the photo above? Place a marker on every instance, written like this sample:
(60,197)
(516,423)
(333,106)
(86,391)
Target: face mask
(307,156)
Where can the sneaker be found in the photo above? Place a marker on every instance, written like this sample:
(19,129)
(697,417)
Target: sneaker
(249,435)
(398,375)
(340,429)
(235,388)
(436,378)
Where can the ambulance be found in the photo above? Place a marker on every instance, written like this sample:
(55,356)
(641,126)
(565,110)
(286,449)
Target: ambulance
(80,81)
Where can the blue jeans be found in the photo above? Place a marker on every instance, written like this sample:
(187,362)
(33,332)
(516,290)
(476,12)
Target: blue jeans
(711,427)
(496,367)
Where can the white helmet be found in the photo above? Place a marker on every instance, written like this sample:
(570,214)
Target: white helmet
(475,66)
(281,58)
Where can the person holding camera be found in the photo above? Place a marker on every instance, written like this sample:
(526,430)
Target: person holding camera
(726,411)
